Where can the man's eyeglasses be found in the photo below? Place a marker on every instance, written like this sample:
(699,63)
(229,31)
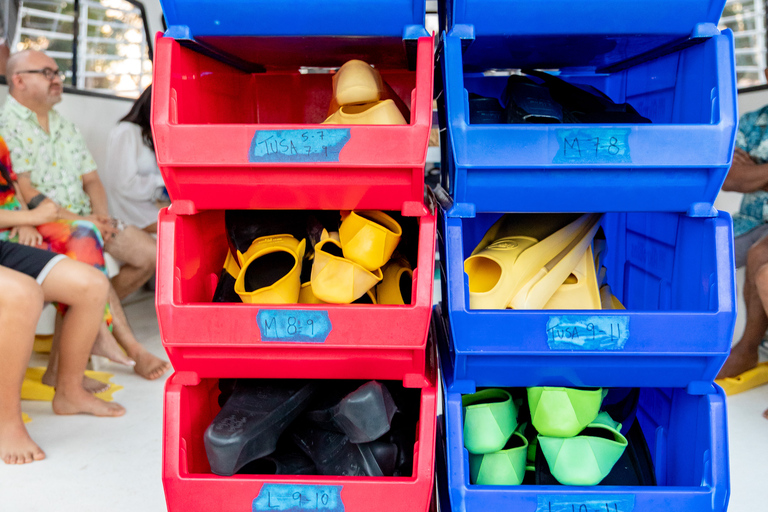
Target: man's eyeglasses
(48,73)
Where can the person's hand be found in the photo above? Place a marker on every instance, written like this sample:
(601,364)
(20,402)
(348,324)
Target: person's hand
(28,235)
(105,226)
(741,157)
(47,211)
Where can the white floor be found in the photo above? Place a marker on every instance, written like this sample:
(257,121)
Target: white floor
(114,465)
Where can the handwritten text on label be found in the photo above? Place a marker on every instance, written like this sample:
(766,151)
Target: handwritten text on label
(586,503)
(295,498)
(574,332)
(294,325)
(593,146)
(323,145)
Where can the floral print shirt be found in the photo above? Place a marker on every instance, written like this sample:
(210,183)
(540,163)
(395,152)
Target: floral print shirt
(55,161)
(753,138)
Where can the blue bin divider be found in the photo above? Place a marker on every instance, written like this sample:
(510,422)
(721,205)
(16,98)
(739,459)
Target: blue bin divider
(252,34)
(587,32)
(673,273)
(687,438)
(674,164)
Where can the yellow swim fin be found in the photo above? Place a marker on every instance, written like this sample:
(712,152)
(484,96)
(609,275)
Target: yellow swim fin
(396,286)
(355,82)
(369,237)
(270,270)
(508,271)
(750,379)
(532,225)
(555,272)
(231,265)
(307,297)
(608,300)
(380,112)
(339,280)
(32,388)
(579,291)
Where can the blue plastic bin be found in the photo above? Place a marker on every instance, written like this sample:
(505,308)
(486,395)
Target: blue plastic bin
(688,441)
(679,160)
(595,31)
(673,273)
(246,29)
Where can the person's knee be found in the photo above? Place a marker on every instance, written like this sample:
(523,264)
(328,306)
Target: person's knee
(761,279)
(757,255)
(92,284)
(23,296)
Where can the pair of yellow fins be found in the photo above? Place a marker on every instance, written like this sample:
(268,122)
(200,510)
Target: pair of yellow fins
(537,261)
(355,265)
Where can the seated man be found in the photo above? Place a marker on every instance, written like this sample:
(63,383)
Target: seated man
(53,163)
(29,276)
(749,175)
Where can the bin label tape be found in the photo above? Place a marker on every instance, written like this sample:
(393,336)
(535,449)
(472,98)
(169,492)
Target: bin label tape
(586,503)
(295,498)
(316,145)
(311,326)
(593,146)
(582,332)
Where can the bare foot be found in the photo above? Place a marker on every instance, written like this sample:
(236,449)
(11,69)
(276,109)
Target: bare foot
(16,447)
(148,365)
(85,403)
(737,363)
(89,384)
(106,346)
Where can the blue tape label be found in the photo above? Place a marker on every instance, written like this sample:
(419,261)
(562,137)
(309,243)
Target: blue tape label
(294,325)
(586,503)
(322,145)
(593,146)
(295,497)
(572,332)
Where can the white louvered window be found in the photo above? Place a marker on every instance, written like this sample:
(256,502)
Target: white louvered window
(747,20)
(101,45)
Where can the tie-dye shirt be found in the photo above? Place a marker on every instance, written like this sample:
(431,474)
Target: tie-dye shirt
(753,138)
(8,199)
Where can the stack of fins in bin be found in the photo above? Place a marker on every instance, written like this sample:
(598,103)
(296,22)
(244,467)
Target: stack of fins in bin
(318,257)
(541,261)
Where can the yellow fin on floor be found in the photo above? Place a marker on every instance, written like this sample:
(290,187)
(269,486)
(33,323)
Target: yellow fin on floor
(25,417)
(33,388)
(43,343)
(753,378)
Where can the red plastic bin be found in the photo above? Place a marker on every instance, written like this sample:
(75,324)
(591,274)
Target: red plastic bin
(207,114)
(219,340)
(190,406)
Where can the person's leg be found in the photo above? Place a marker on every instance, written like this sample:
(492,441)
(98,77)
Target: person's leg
(84,289)
(21,302)
(743,355)
(49,377)
(147,364)
(138,251)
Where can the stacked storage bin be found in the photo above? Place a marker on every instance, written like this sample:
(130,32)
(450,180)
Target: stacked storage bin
(669,252)
(230,106)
